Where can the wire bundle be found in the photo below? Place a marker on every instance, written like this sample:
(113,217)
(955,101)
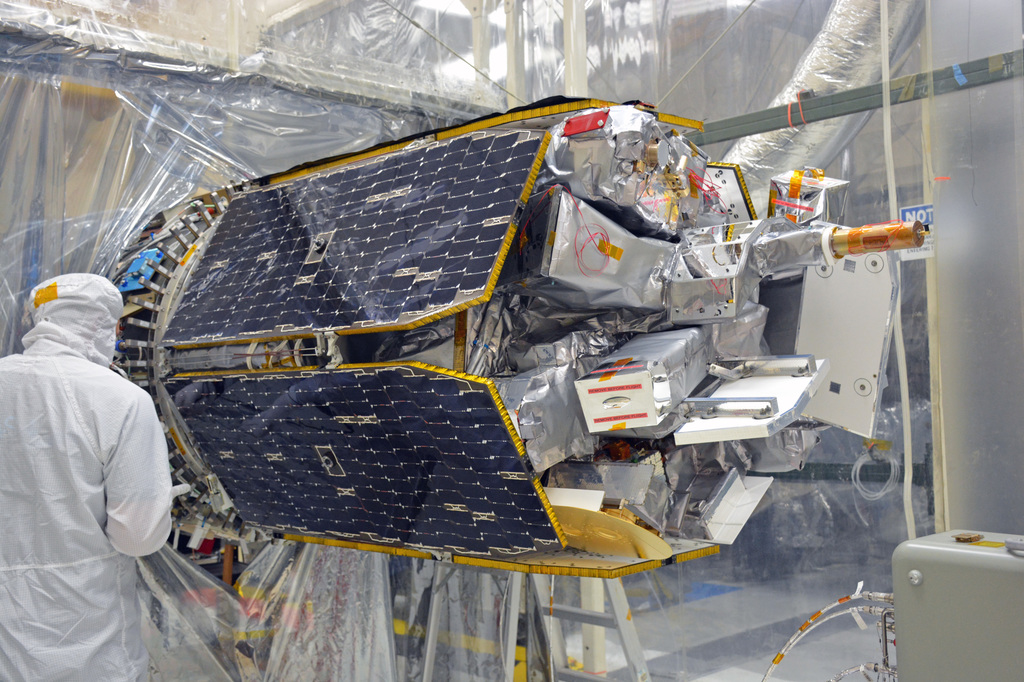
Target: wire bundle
(827,614)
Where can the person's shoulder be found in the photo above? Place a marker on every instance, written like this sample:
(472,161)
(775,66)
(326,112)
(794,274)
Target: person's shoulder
(111,385)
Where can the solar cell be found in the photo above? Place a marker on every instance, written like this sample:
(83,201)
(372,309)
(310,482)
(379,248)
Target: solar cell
(389,453)
(385,243)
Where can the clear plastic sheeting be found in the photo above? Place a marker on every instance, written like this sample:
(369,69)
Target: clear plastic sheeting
(97,143)
(313,46)
(162,117)
(188,621)
(325,614)
(784,451)
(843,56)
(473,612)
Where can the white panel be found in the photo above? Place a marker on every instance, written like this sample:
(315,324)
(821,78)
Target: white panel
(734,505)
(846,316)
(791,393)
(978,143)
(575,497)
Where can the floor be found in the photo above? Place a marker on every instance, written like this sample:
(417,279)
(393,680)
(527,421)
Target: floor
(728,628)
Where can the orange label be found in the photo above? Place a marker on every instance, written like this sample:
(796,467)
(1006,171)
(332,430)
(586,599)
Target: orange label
(46,294)
(607,249)
(618,363)
(795,183)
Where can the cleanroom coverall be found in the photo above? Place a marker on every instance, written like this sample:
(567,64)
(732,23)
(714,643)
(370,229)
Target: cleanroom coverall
(84,487)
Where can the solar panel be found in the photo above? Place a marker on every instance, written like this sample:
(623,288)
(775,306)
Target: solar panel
(389,242)
(393,454)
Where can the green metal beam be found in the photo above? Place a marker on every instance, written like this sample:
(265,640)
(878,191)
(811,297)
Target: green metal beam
(810,109)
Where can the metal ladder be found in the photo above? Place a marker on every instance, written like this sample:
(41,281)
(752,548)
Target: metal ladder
(590,614)
(594,619)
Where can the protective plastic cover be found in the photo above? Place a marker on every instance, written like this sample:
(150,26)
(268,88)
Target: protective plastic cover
(89,164)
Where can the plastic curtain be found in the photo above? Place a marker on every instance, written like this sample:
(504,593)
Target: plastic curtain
(111,111)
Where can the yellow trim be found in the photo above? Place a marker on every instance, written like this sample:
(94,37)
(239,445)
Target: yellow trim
(545,569)
(188,254)
(521,566)
(459,354)
(244,342)
(250,591)
(506,419)
(549,510)
(46,294)
(253,634)
(680,121)
(338,162)
(477,645)
(364,546)
(176,439)
(743,185)
(492,283)
(483,124)
(233,372)
(538,163)
(517,116)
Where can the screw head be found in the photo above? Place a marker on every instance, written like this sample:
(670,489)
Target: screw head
(915,577)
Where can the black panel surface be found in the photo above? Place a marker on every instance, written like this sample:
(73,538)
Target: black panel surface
(403,237)
(393,454)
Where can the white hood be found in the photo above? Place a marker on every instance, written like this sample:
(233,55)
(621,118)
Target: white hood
(77,312)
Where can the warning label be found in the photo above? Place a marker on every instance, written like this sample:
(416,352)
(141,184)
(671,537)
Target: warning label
(609,389)
(620,417)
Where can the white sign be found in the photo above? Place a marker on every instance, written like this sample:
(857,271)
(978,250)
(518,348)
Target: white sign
(922,212)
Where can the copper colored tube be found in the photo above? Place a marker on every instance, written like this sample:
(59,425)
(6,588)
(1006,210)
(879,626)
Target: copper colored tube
(853,241)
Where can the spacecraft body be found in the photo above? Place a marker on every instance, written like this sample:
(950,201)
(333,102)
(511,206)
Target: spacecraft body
(530,342)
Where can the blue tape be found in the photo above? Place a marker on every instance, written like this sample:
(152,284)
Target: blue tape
(959,75)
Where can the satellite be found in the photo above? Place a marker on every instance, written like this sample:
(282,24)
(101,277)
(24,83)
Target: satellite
(530,342)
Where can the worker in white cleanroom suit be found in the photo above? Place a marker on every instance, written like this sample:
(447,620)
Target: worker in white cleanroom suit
(84,488)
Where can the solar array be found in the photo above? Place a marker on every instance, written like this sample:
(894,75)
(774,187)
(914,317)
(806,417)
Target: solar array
(380,453)
(389,242)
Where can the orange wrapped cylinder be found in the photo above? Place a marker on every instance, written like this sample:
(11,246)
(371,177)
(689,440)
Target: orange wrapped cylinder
(896,234)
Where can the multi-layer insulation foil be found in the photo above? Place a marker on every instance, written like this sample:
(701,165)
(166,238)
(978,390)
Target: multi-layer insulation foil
(639,384)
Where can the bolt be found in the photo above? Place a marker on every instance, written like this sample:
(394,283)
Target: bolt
(915,577)
(319,244)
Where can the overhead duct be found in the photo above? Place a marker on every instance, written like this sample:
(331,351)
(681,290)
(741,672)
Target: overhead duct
(844,55)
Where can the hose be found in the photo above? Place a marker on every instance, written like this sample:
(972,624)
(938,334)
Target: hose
(820,617)
(891,483)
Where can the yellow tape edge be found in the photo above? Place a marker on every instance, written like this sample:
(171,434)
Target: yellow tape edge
(516,117)
(337,163)
(254,634)
(177,439)
(475,644)
(583,572)
(492,389)
(680,121)
(550,511)
(492,283)
(363,546)
(538,163)
(188,254)
(743,184)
